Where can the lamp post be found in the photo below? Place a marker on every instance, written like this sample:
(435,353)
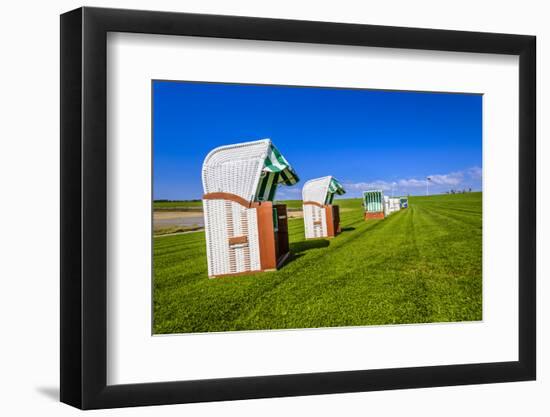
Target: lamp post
(428,179)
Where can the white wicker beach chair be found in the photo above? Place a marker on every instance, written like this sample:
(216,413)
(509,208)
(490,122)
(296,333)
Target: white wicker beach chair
(245,232)
(321,217)
(376,204)
(395,204)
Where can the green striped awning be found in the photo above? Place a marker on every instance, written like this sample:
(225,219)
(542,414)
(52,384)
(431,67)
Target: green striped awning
(334,187)
(276,171)
(275,162)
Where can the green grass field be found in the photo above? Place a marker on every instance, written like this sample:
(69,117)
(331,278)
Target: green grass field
(420,265)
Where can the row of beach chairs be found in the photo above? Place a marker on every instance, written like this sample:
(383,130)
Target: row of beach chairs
(246,232)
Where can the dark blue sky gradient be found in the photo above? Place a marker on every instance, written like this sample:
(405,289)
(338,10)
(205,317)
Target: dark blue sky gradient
(362,137)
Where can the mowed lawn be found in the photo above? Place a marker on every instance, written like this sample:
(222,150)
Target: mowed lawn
(420,265)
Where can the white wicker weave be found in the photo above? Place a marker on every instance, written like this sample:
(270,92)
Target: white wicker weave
(316,190)
(386,205)
(391,205)
(395,204)
(225,219)
(315,221)
(235,169)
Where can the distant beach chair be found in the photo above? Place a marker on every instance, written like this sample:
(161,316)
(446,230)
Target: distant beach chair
(321,217)
(387,211)
(245,231)
(394,204)
(374,204)
(404,202)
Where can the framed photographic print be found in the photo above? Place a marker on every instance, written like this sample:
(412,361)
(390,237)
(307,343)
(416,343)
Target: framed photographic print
(258,208)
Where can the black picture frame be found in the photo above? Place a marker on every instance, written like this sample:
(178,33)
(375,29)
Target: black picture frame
(84,207)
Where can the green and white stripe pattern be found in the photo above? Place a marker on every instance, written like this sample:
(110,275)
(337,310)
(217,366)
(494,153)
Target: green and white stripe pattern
(276,171)
(334,187)
(373,201)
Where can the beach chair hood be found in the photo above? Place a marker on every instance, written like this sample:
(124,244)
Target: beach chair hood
(250,170)
(322,190)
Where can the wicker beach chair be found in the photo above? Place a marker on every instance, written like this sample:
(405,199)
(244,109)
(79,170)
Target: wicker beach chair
(321,217)
(395,204)
(376,205)
(387,211)
(245,231)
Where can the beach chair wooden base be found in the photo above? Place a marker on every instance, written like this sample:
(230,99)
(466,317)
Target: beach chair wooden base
(372,216)
(325,224)
(333,220)
(271,244)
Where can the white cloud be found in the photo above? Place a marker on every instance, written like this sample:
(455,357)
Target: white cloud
(412,182)
(475,172)
(440,183)
(361,186)
(452,179)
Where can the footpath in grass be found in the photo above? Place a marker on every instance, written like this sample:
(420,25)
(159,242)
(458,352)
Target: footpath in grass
(420,265)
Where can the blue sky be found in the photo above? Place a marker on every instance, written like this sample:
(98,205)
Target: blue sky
(365,138)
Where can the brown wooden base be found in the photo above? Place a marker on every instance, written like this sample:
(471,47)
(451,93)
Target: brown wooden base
(370,216)
(332,214)
(273,242)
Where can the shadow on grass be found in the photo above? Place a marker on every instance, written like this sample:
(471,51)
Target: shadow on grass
(347,229)
(297,249)
(305,245)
